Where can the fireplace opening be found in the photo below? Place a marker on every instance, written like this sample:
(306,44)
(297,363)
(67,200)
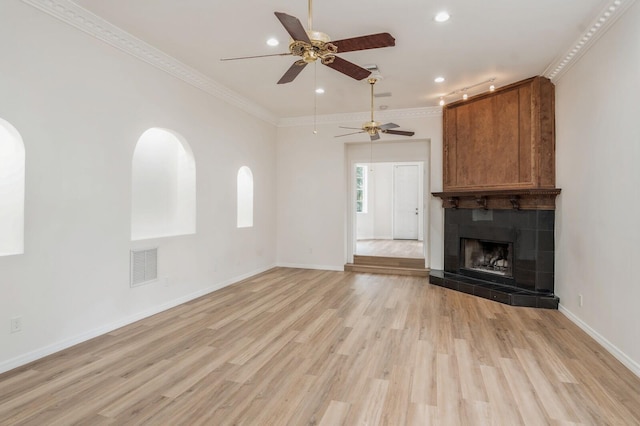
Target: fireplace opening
(492,257)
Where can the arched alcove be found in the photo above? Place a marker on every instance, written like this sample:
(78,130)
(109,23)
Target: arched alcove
(163,186)
(245,197)
(12,172)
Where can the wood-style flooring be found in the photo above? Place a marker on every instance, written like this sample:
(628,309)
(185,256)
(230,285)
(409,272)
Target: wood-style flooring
(301,347)
(390,248)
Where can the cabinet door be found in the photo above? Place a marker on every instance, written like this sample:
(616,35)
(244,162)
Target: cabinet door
(502,140)
(483,141)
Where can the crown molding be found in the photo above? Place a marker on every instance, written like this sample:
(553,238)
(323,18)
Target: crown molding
(604,20)
(69,12)
(385,115)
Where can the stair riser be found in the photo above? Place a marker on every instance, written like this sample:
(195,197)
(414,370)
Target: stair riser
(394,262)
(387,270)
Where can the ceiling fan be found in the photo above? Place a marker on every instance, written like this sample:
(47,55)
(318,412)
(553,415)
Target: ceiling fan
(374,128)
(313,45)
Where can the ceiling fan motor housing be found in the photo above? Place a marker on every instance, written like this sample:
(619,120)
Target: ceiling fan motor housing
(320,48)
(371,127)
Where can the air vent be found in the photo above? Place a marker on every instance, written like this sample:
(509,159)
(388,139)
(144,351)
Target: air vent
(144,266)
(375,71)
(382,95)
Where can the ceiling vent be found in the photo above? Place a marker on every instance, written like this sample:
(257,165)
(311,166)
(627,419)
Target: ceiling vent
(382,95)
(375,71)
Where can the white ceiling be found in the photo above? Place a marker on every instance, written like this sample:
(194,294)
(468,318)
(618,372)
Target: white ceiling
(508,40)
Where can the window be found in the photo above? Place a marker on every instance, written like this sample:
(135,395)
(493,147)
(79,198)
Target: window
(163,186)
(12,157)
(361,188)
(245,197)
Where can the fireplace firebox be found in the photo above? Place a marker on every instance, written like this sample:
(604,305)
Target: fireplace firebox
(491,257)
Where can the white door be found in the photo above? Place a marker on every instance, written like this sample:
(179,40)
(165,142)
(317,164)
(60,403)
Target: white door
(405,202)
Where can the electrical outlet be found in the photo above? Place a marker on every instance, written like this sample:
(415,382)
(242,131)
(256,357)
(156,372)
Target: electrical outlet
(580,300)
(16,324)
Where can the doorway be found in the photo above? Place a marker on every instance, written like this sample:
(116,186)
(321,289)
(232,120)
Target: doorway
(379,241)
(389,214)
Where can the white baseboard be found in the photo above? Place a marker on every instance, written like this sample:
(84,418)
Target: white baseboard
(83,337)
(320,267)
(610,347)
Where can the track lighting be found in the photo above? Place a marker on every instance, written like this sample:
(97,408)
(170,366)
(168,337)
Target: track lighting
(464,90)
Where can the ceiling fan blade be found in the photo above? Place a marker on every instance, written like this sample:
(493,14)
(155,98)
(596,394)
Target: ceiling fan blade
(293,27)
(375,136)
(257,56)
(292,72)
(399,132)
(389,126)
(354,128)
(372,41)
(347,134)
(349,68)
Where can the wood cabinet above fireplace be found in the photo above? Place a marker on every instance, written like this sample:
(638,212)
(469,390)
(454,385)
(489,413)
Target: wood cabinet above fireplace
(503,140)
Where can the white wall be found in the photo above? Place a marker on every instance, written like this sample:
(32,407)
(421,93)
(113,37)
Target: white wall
(598,150)
(80,106)
(312,191)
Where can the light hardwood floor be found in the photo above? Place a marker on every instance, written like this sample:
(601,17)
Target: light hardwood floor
(390,248)
(305,347)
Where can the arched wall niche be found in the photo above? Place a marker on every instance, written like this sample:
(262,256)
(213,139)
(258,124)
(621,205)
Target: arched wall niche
(163,186)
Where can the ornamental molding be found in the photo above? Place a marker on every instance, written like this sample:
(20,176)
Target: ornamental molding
(385,115)
(604,20)
(69,12)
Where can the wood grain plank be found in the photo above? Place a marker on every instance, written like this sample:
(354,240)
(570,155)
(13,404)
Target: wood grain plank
(305,347)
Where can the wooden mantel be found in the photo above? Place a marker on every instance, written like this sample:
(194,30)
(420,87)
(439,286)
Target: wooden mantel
(518,199)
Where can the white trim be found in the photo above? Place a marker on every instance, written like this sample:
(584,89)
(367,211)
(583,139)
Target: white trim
(386,115)
(83,337)
(316,267)
(604,20)
(69,12)
(610,347)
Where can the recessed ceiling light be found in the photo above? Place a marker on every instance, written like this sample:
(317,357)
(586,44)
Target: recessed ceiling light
(320,90)
(442,17)
(273,42)
(438,79)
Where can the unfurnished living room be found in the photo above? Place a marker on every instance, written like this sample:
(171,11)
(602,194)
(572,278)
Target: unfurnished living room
(319,212)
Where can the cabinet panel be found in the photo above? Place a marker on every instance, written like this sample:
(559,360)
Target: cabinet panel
(501,140)
(524,123)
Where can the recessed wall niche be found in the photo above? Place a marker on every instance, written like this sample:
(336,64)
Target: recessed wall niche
(12,169)
(163,186)
(245,197)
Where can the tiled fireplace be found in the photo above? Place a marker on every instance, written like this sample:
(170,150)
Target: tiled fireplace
(505,255)
(498,182)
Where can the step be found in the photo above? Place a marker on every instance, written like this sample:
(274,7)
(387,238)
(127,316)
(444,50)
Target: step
(389,270)
(396,262)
